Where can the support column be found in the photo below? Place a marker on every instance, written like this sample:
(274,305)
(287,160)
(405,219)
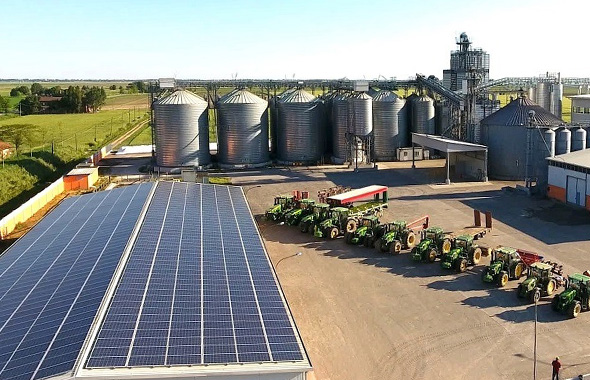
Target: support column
(413,156)
(448,181)
(485,166)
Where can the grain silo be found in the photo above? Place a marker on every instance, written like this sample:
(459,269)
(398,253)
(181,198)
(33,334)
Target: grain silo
(242,129)
(543,95)
(181,130)
(579,139)
(339,126)
(505,134)
(564,141)
(300,128)
(390,125)
(556,99)
(360,114)
(423,115)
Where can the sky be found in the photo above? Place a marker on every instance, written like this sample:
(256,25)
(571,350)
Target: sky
(300,39)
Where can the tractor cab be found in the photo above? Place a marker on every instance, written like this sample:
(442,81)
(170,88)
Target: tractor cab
(578,281)
(540,270)
(433,233)
(399,225)
(306,203)
(505,254)
(370,221)
(464,242)
(284,200)
(339,213)
(320,210)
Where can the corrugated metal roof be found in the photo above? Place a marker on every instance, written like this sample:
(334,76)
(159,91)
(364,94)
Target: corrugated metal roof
(517,113)
(385,96)
(297,96)
(241,97)
(181,97)
(579,158)
(361,95)
(82,171)
(584,96)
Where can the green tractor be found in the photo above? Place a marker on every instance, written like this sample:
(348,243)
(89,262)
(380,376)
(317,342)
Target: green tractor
(396,236)
(365,233)
(575,298)
(463,254)
(321,211)
(334,225)
(304,208)
(283,203)
(542,279)
(434,244)
(505,264)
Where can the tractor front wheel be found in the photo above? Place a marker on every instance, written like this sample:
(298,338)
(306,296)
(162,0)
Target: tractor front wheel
(461,265)
(575,309)
(411,239)
(334,233)
(446,246)
(431,255)
(502,279)
(396,247)
(550,288)
(476,255)
(535,295)
(518,270)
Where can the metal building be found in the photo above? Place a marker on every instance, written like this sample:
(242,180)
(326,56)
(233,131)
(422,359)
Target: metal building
(580,109)
(242,129)
(569,178)
(300,128)
(181,130)
(390,125)
(505,134)
(466,62)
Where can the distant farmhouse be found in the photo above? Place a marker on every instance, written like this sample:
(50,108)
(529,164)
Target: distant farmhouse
(4,149)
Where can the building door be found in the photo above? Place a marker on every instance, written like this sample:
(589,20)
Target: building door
(576,191)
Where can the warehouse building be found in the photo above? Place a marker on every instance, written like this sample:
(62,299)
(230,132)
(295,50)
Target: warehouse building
(150,281)
(581,109)
(569,180)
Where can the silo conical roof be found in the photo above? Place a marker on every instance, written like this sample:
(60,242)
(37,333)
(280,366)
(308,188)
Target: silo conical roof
(241,97)
(297,96)
(385,96)
(181,97)
(517,113)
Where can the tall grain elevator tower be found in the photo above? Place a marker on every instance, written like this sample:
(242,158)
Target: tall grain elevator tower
(467,64)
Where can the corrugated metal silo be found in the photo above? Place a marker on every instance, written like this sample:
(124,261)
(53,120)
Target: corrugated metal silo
(549,137)
(564,141)
(181,130)
(579,139)
(556,99)
(532,94)
(390,125)
(543,95)
(242,129)
(300,128)
(339,125)
(442,114)
(273,116)
(423,115)
(360,114)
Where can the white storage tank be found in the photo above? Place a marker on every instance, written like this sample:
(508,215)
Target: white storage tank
(564,141)
(579,139)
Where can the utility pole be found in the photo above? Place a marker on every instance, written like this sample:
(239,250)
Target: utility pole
(76,141)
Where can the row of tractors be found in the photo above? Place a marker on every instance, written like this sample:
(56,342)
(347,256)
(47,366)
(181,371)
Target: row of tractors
(359,224)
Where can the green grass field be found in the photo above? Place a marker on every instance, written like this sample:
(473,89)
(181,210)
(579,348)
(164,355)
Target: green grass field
(142,137)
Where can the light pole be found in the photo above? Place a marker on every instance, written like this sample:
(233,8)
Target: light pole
(287,257)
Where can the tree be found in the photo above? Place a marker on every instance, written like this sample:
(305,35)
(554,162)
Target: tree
(139,85)
(21,90)
(30,105)
(4,104)
(71,102)
(113,87)
(18,134)
(53,91)
(36,89)
(94,98)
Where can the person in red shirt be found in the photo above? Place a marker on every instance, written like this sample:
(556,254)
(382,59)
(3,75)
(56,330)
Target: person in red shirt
(556,364)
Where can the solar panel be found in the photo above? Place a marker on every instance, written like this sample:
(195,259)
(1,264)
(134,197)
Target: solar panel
(53,280)
(197,289)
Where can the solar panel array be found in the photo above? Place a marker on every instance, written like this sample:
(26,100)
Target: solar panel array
(54,278)
(197,289)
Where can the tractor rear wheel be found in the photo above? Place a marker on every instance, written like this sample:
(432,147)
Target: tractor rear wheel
(446,246)
(347,237)
(334,233)
(366,241)
(461,265)
(535,295)
(518,270)
(351,225)
(379,244)
(396,247)
(550,287)
(555,303)
(431,255)
(574,309)
(370,242)
(304,227)
(519,291)
(502,278)
(476,255)
(411,239)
